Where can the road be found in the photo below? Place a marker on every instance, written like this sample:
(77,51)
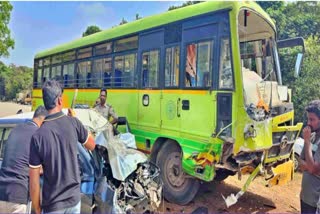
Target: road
(258,198)
(10,108)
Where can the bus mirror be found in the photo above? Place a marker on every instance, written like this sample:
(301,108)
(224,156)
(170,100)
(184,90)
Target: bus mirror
(298,64)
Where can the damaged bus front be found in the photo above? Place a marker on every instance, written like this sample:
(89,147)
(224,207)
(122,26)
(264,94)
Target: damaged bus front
(264,130)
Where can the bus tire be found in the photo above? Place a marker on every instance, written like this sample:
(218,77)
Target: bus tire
(177,187)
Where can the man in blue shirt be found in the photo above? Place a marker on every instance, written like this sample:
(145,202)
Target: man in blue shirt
(54,146)
(14,174)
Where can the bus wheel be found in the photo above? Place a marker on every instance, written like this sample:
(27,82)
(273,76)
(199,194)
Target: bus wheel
(177,187)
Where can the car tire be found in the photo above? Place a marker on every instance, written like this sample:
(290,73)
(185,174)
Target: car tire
(178,188)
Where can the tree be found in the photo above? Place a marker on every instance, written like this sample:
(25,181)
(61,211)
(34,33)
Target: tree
(138,16)
(91,30)
(6,42)
(184,5)
(123,21)
(306,87)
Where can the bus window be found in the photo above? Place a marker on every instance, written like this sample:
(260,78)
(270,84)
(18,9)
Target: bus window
(198,64)
(39,77)
(172,67)
(56,73)
(40,63)
(56,59)
(46,75)
(101,74)
(85,53)
(225,70)
(83,77)
(150,69)
(128,79)
(104,48)
(68,75)
(125,69)
(46,61)
(126,44)
(69,56)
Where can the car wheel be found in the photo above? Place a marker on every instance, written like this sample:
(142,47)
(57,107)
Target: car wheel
(177,187)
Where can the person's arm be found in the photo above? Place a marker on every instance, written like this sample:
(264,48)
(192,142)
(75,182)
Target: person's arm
(34,174)
(310,165)
(114,116)
(90,143)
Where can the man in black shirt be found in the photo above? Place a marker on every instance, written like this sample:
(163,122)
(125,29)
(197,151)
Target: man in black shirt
(14,173)
(54,146)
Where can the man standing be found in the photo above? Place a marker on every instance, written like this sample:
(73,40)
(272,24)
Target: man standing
(54,146)
(310,160)
(105,109)
(14,173)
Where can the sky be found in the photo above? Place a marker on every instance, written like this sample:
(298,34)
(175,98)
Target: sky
(37,26)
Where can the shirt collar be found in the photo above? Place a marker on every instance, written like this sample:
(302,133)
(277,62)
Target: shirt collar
(54,116)
(33,123)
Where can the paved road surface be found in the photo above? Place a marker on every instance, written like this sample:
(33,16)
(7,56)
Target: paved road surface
(8,108)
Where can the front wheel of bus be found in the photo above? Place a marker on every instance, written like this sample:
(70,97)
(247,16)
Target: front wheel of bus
(177,187)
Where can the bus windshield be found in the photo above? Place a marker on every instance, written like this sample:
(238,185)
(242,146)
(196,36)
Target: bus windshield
(258,57)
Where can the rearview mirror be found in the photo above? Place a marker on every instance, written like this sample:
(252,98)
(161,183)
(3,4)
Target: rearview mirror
(298,64)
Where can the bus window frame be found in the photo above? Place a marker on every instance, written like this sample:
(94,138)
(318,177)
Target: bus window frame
(159,68)
(123,53)
(162,73)
(231,63)
(212,59)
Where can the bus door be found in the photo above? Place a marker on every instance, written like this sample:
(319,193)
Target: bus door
(170,99)
(225,89)
(149,94)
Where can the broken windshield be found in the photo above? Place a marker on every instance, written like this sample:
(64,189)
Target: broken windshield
(258,63)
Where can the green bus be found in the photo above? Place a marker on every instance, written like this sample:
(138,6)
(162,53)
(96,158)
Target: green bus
(200,86)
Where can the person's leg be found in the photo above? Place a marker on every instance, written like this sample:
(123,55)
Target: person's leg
(4,208)
(8,207)
(71,210)
(306,208)
(74,209)
(18,208)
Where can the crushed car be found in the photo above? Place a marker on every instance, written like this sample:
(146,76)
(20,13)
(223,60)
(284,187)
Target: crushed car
(115,177)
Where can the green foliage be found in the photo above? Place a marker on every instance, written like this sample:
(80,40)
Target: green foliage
(91,30)
(138,16)
(6,42)
(14,79)
(298,19)
(123,21)
(184,5)
(306,87)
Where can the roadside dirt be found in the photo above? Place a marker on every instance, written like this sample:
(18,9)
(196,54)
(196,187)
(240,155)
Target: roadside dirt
(258,198)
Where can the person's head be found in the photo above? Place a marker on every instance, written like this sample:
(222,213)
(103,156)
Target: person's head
(313,115)
(52,95)
(103,96)
(39,115)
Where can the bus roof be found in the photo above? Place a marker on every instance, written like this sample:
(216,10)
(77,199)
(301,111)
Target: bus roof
(153,21)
